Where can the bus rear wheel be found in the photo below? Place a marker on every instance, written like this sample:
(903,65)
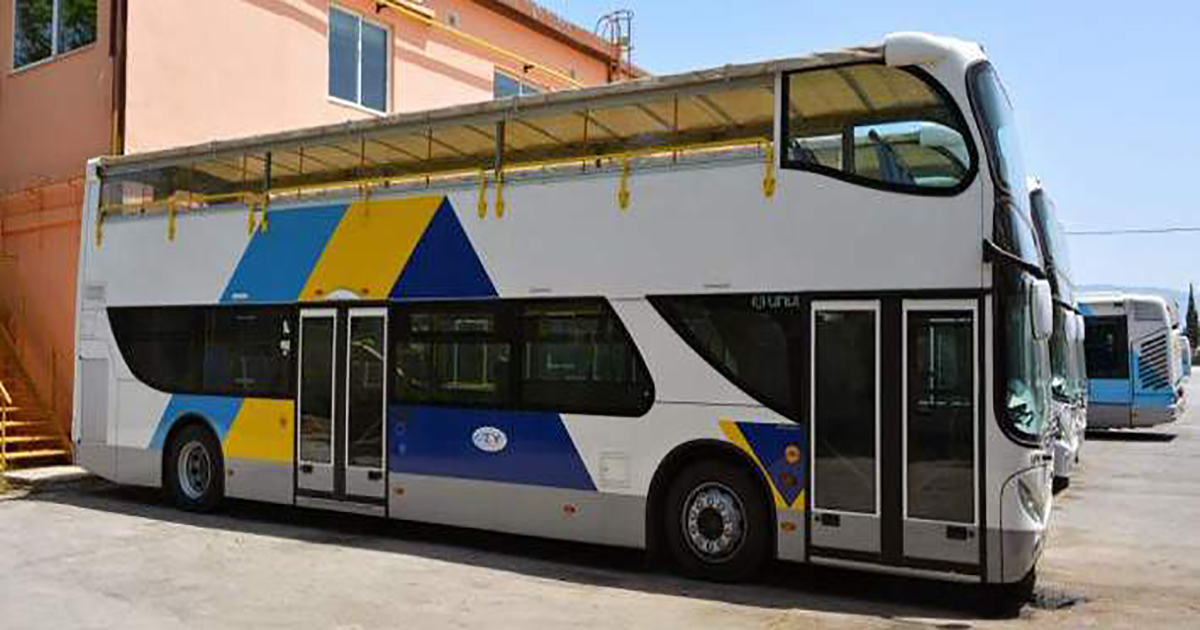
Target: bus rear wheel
(717,526)
(194,470)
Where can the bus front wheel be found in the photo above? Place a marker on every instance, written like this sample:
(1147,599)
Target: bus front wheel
(194,470)
(717,525)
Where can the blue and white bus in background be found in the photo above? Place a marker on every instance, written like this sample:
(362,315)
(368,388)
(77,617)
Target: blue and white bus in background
(1185,362)
(792,309)
(1133,361)
(1068,382)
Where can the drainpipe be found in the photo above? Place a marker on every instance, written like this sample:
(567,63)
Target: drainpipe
(118,25)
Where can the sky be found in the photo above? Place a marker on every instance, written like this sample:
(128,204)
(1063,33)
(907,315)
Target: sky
(1104,92)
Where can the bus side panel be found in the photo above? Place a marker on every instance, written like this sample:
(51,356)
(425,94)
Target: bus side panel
(1110,402)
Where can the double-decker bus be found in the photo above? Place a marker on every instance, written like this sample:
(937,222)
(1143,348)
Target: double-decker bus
(1068,382)
(791,309)
(1133,361)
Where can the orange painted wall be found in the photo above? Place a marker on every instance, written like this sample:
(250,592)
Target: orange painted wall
(202,71)
(53,117)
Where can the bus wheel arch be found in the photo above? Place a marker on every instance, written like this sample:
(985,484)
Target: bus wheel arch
(678,463)
(193,465)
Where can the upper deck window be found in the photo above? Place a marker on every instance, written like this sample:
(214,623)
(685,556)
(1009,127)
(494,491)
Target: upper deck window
(44,29)
(880,126)
(358,60)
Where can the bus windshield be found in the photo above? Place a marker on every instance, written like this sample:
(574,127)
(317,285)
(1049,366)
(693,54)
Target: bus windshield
(1026,365)
(1014,228)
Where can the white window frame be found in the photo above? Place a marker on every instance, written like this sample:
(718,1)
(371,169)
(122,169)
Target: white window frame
(387,106)
(55,53)
(875,307)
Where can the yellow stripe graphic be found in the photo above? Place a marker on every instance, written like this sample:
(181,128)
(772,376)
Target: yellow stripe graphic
(263,430)
(734,434)
(370,247)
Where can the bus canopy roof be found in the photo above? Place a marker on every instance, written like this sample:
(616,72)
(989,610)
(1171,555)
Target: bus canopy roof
(700,110)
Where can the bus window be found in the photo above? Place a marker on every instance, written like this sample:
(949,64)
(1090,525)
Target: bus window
(876,124)
(754,340)
(578,358)
(1106,346)
(452,356)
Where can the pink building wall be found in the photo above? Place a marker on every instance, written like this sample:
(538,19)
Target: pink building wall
(53,116)
(202,70)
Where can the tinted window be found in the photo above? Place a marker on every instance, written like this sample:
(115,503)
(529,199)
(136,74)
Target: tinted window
(453,356)
(37,35)
(754,340)
(941,416)
(358,60)
(343,55)
(878,124)
(1106,346)
(504,86)
(230,351)
(578,358)
(374,66)
(570,356)
(844,410)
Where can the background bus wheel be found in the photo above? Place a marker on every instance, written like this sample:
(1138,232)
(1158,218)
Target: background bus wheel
(195,471)
(717,526)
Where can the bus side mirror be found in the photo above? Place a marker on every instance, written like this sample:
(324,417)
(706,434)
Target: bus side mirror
(1042,308)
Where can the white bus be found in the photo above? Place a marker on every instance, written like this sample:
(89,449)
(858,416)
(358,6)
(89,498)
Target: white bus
(1133,361)
(789,309)
(1068,382)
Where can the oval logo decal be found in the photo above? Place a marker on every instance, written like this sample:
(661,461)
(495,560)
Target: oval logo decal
(489,439)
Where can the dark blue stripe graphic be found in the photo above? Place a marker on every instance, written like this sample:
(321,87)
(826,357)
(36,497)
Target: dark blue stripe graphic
(441,441)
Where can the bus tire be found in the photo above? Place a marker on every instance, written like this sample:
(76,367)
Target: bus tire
(194,470)
(717,525)
(1004,601)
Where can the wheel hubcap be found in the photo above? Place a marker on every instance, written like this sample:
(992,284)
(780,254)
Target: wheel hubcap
(195,470)
(714,522)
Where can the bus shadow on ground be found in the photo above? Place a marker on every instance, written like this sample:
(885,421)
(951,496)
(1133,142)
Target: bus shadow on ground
(1132,435)
(783,586)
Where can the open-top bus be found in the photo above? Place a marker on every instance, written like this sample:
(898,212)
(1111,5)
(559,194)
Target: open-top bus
(1133,361)
(788,309)
(1068,381)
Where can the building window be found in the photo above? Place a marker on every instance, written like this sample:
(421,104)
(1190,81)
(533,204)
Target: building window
(358,60)
(43,29)
(504,86)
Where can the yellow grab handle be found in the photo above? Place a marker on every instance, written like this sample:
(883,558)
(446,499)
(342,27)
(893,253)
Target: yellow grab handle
(623,191)
(499,194)
(482,204)
(769,182)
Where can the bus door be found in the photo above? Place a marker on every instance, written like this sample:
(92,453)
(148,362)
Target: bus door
(940,500)
(845,485)
(341,406)
(895,414)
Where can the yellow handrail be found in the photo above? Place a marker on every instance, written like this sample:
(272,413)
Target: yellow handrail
(413,14)
(6,402)
(198,200)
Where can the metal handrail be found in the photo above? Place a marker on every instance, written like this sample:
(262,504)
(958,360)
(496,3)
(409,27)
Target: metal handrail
(5,403)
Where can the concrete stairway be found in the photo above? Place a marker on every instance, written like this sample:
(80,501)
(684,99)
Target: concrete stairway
(28,434)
